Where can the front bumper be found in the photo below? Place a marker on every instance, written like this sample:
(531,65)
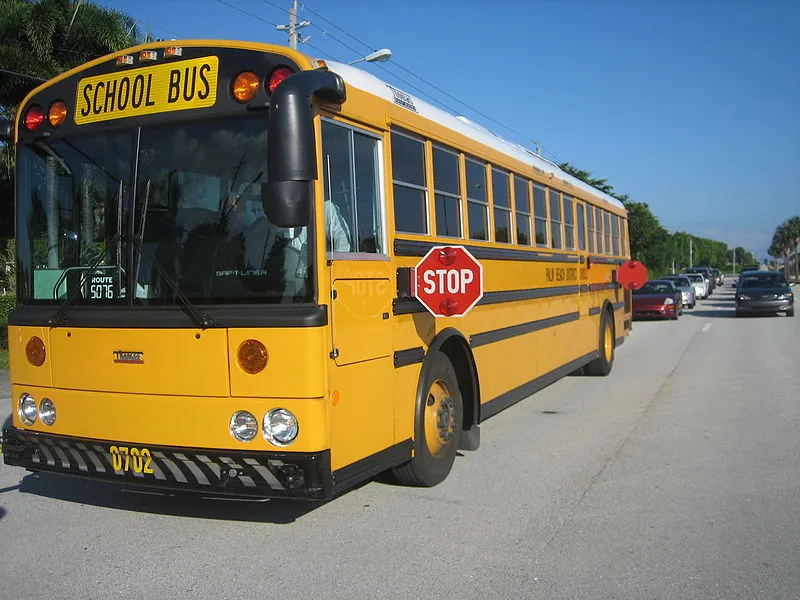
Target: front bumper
(214,472)
(764,305)
(666,311)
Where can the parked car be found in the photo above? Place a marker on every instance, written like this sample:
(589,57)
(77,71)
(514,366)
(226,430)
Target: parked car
(705,272)
(699,283)
(763,292)
(657,299)
(685,287)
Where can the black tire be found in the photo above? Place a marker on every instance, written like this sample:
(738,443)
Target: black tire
(691,306)
(790,312)
(440,407)
(738,314)
(602,365)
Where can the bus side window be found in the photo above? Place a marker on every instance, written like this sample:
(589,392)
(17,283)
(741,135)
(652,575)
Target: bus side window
(353,217)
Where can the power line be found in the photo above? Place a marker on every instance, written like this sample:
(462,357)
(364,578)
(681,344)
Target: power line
(401,67)
(22,76)
(177,35)
(249,14)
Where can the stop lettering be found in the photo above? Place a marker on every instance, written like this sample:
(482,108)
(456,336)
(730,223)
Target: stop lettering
(449,281)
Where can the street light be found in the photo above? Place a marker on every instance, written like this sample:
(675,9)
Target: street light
(381,55)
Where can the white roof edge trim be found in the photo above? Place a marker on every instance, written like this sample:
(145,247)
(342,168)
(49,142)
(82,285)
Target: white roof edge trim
(367,82)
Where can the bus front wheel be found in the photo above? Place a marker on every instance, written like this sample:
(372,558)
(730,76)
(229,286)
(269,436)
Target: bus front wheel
(601,366)
(437,425)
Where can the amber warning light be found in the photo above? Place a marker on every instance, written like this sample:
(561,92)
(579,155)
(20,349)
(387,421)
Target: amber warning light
(632,275)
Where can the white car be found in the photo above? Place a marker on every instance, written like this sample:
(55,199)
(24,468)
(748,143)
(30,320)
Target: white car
(699,283)
(686,288)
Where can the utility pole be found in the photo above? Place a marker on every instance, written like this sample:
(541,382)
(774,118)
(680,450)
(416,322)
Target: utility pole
(690,253)
(293,27)
(734,260)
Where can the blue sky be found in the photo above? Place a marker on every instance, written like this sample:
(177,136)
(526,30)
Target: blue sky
(689,105)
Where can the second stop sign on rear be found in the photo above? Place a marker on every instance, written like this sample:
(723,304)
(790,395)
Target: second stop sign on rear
(449,281)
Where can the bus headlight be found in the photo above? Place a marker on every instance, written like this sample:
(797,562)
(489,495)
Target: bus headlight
(27,409)
(280,427)
(47,411)
(243,426)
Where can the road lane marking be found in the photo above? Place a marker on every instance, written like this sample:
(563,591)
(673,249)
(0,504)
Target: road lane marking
(706,327)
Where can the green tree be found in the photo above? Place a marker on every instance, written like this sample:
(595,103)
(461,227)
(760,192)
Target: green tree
(648,238)
(785,242)
(43,38)
(586,177)
(40,39)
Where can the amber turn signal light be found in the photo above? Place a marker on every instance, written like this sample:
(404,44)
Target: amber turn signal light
(252,356)
(245,86)
(35,351)
(57,113)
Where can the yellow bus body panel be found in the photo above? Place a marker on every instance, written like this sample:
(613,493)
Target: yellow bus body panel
(23,371)
(182,421)
(173,361)
(295,364)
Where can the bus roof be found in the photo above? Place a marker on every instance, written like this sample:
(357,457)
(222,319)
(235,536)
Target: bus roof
(377,87)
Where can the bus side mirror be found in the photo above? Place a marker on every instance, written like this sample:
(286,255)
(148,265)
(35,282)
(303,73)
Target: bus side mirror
(288,192)
(288,203)
(5,130)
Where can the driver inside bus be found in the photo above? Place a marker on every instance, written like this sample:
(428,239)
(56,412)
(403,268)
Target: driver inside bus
(260,236)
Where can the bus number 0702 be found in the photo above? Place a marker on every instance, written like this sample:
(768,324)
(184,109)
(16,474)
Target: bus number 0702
(136,460)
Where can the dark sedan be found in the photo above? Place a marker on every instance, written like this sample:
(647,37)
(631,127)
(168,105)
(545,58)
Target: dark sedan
(657,299)
(760,292)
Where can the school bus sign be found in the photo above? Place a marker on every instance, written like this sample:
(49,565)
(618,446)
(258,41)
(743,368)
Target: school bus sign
(449,281)
(167,87)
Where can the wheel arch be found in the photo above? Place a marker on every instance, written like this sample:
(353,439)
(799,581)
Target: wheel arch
(453,344)
(609,309)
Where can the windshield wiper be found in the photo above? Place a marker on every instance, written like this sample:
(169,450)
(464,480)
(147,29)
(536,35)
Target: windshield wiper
(58,318)
(202,320)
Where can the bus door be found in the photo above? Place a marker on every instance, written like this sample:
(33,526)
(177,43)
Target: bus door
(362,412)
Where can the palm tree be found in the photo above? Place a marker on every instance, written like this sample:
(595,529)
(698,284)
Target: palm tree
(793,235)
(782,245)
(42,38)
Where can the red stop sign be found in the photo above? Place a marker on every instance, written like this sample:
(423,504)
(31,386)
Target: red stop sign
(449,281)
(632,274)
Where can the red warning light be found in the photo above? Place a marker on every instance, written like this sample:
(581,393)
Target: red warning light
(632,275)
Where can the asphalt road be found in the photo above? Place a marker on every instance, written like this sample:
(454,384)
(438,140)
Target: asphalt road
(675,477)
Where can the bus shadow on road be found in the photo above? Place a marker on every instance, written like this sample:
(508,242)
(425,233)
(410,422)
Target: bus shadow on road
(178,504)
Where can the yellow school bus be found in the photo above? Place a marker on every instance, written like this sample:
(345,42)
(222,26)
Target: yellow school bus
(216,243)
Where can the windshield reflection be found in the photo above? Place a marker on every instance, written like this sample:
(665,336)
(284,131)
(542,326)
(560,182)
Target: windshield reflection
(193,224)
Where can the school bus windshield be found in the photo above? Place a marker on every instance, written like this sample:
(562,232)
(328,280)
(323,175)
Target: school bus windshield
(194,216)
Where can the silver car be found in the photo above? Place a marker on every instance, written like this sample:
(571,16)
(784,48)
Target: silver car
(699,283)
(685,287)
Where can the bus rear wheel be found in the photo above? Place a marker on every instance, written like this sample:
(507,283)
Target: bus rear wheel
(437,425)
(601,366)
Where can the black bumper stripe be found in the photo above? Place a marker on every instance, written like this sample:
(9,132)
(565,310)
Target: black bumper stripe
(224,472)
